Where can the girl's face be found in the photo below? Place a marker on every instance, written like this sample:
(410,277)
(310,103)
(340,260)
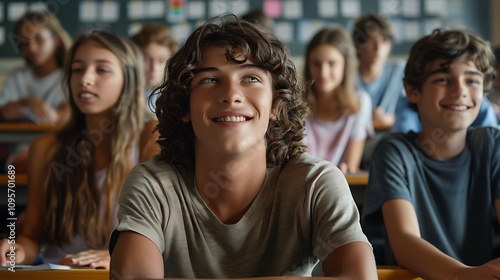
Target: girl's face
(37,44)
(155,58)
(327,65)
(96,79)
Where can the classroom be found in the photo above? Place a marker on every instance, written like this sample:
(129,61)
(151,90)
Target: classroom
(296,24)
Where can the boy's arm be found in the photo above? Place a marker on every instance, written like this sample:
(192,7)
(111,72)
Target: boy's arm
(135,257)
(351,261)
(421,257)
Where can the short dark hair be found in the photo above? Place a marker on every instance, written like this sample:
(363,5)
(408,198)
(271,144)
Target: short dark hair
(366,25)
(449,46)
(284,134)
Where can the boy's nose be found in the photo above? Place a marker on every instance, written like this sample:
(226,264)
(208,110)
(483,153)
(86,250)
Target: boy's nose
(459,87)
(231,93)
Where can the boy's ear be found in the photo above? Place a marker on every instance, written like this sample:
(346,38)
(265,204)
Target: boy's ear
(412,94)
(272,116)
(186,118)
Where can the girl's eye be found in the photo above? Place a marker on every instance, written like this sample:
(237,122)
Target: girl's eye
(76,70)
(102,70)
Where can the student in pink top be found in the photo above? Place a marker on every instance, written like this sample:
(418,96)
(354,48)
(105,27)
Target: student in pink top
(341,117)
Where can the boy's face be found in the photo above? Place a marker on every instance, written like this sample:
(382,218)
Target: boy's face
(230,104)
(375,50)
(450,98)
(155,58)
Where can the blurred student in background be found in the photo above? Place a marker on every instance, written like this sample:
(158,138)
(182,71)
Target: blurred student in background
(157,46)
(34,92)
(381,78)
(75,174)
(341,117)
(260,18)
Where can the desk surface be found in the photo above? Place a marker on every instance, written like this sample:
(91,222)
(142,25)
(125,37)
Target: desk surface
(22,132)
(20,180)
(384,273)
(356,179)
(24,126)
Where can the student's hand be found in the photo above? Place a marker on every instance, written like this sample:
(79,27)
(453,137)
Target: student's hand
(382,119)
(92,258)
(5,251)
(42,111)
(11,111)
(489,270)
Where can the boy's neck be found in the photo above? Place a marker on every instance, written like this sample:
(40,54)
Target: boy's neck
(370,72)
(46,68)
(229,187)
(442,146)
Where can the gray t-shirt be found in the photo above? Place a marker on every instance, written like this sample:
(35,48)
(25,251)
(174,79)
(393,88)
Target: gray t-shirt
(303,212)
(22,83)
(453,199)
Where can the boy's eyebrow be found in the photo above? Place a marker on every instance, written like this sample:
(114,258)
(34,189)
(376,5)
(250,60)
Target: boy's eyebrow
(242,66)
(447,70)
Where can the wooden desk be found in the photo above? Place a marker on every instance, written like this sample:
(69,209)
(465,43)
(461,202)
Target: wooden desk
(395,273)
(357,179)
(384,273)
(12,132)
(21,180)
(73,274)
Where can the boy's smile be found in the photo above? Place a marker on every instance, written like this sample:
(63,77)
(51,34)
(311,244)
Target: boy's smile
(450,97)
(230,104)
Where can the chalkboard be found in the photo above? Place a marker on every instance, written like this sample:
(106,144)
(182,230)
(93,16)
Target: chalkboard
(295,20)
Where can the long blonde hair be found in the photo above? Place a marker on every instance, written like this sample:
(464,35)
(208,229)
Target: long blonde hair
(72,205)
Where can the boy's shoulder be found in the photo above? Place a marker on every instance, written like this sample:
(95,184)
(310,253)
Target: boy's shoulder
(306,165)
(482,137)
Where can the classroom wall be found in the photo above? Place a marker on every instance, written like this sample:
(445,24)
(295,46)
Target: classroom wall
(296,20)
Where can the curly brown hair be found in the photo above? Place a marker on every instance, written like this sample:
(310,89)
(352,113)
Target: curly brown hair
(285,132)
(449,46)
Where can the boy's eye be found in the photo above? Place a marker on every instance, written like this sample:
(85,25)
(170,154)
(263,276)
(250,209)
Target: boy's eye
(251,79)
(208,80)
(474,81)
(76,70)
(441,80)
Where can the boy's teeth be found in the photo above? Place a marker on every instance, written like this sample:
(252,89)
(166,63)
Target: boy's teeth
(231,119)
(458,107)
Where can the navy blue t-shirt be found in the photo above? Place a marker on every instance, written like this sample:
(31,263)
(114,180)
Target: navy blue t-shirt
(453,199)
